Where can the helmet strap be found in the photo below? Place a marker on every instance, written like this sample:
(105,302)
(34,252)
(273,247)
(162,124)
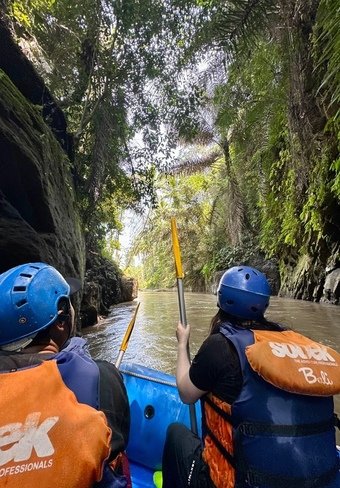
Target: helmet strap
(18,345)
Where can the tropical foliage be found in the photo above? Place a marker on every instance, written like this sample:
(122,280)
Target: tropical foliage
(274,96)
(224,114)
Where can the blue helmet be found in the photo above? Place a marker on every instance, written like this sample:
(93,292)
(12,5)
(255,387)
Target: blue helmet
(29,296)
(243,292)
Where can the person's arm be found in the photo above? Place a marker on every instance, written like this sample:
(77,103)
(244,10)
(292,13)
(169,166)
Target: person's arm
(187,390)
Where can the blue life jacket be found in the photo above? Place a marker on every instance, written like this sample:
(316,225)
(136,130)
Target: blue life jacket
(281,439)
(75,362)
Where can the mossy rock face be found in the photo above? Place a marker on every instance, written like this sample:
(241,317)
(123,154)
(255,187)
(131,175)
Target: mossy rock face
(104,286)
(331,292)
(38,215)
(39,220)
(313,275)
(31,85)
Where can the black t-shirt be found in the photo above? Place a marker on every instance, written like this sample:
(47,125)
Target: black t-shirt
(115,404)
(113,399)
(216,368)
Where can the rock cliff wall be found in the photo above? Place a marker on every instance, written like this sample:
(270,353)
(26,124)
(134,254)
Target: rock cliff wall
(38,216)
(39,220)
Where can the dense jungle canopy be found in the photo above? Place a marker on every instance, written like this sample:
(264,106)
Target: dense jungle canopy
(224,114)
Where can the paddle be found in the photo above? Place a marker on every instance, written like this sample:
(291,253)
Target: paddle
(126,338)
(181,302)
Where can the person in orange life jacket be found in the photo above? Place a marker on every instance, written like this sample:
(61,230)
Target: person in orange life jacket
(65,418)
(266,395)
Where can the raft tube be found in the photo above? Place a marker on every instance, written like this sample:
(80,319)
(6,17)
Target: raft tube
(154,404)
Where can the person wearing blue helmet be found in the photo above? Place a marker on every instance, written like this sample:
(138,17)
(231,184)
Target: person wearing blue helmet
(64,417)
(266,395)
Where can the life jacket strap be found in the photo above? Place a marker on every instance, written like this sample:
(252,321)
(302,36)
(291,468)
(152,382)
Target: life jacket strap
(336,421)
(258,428)
(218,410)
(254,478)
(226,454)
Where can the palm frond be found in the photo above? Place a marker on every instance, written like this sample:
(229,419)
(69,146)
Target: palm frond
(195,158)
(327,50)
(239,24)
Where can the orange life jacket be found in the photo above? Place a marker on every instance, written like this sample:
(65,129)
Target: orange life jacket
(48,438)
(221,471)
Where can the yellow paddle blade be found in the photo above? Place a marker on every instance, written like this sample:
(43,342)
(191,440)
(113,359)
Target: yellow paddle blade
(129,330)
(158,479)
(176,250)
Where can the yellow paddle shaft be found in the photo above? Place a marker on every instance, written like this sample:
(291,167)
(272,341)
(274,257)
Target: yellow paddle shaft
(126,337)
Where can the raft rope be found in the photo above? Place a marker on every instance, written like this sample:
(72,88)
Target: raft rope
(148,378)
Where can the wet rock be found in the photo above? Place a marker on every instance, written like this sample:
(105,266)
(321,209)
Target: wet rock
(309,275)
(129,288)
(104,286)
(331,289)
(88,316)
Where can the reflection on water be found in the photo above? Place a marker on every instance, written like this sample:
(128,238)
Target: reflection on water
(153,342)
